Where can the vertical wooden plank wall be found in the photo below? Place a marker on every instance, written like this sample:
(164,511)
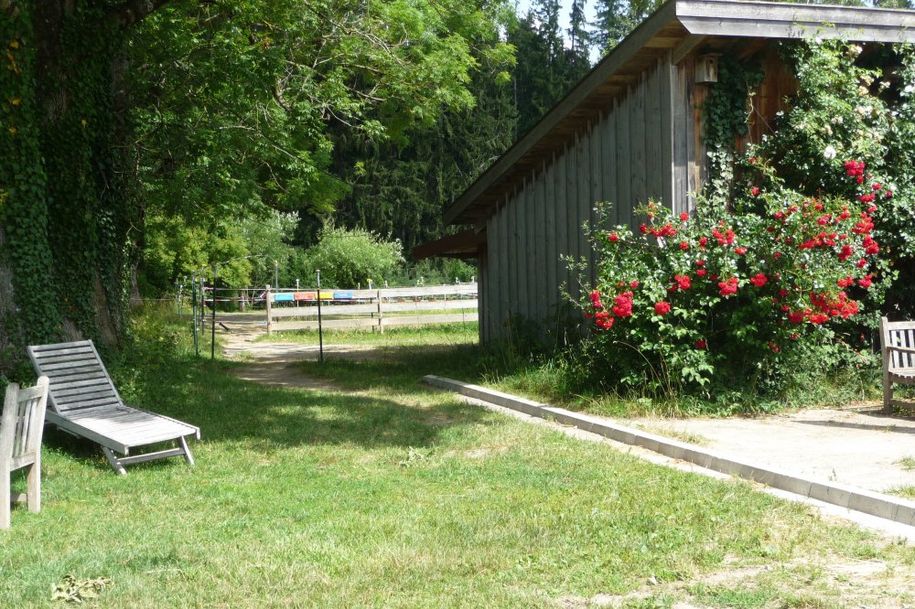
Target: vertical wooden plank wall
(597,175)
(653,121)
(681,115)
(609,152)
(666,78)
(538,255)
(571,206)
(505,275)
(638,148)
(522,269)
(550,270)
(584,195)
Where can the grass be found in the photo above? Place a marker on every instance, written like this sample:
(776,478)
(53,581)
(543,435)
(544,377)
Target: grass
(393,495)
(907,463)
(443,334)
(907,492)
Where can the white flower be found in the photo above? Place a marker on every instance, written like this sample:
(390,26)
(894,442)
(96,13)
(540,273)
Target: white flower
(837,120)
(909,89)
(829,153)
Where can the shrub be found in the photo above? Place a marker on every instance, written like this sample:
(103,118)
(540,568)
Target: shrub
(739,290)
(351,257)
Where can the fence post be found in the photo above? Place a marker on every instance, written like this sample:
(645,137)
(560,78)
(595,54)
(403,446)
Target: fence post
(267,300)
(380,316)
(194,313)
(213,318)
(320,327)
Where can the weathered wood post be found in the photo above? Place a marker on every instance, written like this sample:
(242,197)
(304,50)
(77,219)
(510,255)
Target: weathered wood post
(380,316)
(320,327)
(267,300)
(194,312)
(213,317)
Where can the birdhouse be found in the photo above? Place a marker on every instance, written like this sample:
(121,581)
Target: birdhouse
(707,68)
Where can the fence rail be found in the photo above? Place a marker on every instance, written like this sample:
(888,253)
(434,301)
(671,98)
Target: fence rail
(350,309)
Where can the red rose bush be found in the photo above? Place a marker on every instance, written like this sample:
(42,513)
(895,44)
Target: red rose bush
(733,289)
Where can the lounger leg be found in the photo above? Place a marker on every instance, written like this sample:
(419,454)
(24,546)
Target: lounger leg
(33,493)
(187,451)
(4,497)
(114,461)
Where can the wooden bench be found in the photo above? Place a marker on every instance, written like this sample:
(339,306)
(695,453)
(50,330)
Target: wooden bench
(21,427)
(897,344)
(84,402)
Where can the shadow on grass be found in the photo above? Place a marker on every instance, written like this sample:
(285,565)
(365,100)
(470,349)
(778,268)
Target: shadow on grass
(400,368)
(226,408)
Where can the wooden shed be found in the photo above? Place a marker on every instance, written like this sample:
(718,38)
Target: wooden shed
(629,131)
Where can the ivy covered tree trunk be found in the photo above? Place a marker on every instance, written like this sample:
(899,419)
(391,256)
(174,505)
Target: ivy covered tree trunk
(66,205)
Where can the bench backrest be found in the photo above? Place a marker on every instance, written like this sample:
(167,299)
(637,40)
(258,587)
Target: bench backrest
(898,334)
(78,378)
(22,423)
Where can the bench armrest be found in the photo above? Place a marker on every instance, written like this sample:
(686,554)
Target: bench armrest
(900,349)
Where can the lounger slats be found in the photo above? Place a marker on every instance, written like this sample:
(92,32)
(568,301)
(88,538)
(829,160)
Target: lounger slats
(67,357)
(89,403)
(83,401)
(86,382)
(85,365)
(81,344)
(61,377)
(69,392)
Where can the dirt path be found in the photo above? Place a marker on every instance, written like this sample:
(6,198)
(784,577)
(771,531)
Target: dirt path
(275,363)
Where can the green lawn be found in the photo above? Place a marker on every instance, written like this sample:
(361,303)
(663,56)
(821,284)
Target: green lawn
(394,495)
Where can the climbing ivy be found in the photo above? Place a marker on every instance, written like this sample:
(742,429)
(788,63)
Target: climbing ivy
(24,208)
(725,114)
(66,206)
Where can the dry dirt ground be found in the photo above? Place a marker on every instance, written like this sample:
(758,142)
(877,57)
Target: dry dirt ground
(858,446)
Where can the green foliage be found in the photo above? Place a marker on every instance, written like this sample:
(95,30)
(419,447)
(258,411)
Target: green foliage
(855,105)
(616,18)
(23,182)
(351,257)
(249,111)
(748,295)
(545,70)
(726,111)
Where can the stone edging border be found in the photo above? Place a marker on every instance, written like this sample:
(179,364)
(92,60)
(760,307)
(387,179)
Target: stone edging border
(861,500)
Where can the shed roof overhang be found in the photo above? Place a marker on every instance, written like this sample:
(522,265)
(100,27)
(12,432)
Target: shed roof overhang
(464,245)
(678,26)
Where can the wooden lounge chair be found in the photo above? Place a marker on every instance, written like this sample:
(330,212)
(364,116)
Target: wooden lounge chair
(21,426)
(897,343)
(85,403)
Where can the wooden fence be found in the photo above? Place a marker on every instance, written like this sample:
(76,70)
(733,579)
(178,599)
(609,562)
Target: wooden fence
(382,308)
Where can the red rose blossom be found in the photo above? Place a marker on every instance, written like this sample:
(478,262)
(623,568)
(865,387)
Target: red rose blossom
(759,280)
(683,282)
(728,287)
(662,308)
